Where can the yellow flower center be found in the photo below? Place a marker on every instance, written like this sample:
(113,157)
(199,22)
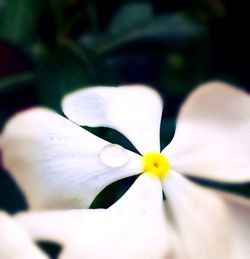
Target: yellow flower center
(157,165)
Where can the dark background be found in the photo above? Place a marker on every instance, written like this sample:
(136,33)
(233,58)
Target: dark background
(49,48)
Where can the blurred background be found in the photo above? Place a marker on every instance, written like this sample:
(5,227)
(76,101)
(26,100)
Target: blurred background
(51,47)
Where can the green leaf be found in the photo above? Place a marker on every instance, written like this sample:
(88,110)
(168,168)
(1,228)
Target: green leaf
(2,7)
(238,189)
(110,194)
(60,71)
(167,131)
(130,15)
(20,20)
(177,76)
(173,30)
(13,82)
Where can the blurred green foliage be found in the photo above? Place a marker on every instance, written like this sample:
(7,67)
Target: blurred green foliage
(70,47)
(64,45)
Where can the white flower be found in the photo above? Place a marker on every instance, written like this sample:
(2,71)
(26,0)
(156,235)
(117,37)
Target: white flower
(136,226)
(58,164)
(15,242)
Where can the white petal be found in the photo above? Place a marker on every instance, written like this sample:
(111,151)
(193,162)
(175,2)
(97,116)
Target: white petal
(212,138)
(135,111)
(62,226)
(58,164)
(135,227)
(239,209)
(201,219)
(15,242)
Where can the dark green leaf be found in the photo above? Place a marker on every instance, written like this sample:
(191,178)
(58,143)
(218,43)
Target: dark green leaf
(110,194)
(20,20)
(15,81)
(178,77)
(130,15)
(239,189)
(59,72)
(50,248)
(2,7)
(173,30)
(167,131)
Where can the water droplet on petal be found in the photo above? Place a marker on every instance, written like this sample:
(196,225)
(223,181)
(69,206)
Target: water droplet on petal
(114,155)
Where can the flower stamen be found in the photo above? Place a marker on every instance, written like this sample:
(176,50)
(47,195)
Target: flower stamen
(157,165)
